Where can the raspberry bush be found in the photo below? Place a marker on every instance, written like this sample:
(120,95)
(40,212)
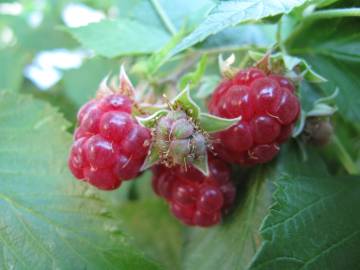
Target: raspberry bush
(179,134)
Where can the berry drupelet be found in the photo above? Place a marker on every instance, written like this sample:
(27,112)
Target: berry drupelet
(196,199)
(269,109)
(110,146)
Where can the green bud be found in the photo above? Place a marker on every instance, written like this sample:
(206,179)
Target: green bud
(182,129)
(199,144)
(180,150)
(177,140)
(163,127)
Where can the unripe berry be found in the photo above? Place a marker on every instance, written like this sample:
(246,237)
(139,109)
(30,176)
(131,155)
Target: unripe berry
(178,140)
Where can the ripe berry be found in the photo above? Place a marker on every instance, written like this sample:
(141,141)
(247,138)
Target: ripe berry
(269,109)
(110,146)
(195,199)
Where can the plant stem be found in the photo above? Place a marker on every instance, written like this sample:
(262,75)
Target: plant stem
(217,50)
(334,13)
(164,17)
(344,157)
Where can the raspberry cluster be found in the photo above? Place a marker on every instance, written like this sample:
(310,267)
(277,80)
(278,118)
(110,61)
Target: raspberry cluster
(195,199)
(110,146)
(268,107)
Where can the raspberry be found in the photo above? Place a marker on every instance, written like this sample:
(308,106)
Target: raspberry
(110,146)
(195,199)
(269,108)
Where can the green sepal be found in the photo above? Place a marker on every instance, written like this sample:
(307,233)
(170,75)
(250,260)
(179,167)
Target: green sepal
(187,103)
(299,125)
(125,85)
(211,123)
(151,159)
(291,63)
(202,165)
(151,120)
(319,109)
(147,108)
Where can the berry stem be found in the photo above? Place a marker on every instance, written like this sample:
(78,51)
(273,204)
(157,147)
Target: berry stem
(164,17)
(344,157)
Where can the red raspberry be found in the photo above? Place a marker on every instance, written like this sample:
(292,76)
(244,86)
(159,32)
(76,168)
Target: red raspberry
(110,146)
(195,199)
(269,109)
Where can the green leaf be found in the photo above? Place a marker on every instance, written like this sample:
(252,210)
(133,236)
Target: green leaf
(231,13)
(46,36)
(156,60)
(79,87)
(335,55)
(180,12)
(346,76)
(112,38)
(232,244)
(239,37)
(208,85)
(211,123)
(154,229)
(314,224)
(290,161)
(49,220)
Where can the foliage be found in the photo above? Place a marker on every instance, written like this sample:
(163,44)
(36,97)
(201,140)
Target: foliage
(298,212)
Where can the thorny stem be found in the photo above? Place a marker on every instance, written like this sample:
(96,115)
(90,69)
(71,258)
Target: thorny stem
(164,17)
(344,157)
